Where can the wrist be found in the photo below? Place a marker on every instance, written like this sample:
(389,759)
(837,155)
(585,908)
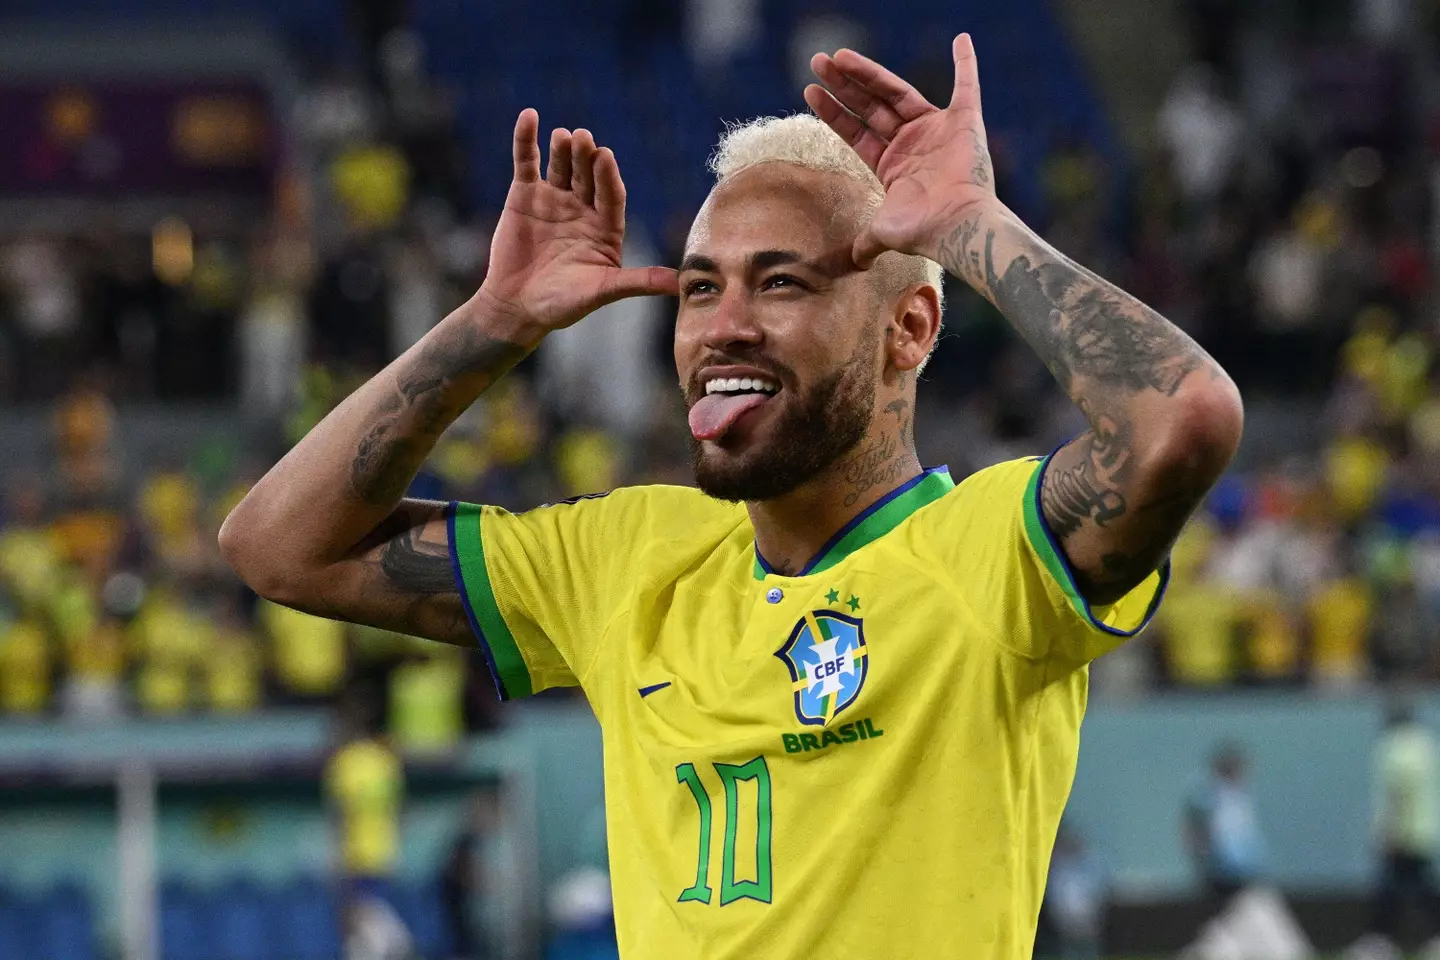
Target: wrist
(976,214)
(503,320)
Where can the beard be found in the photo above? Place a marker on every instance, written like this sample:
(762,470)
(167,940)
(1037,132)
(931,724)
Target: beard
(811,435)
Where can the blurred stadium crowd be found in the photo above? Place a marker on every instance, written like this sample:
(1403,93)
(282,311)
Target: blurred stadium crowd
(1283,209)
(1293,234)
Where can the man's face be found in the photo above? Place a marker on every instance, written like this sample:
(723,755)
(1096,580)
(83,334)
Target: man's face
(769,294)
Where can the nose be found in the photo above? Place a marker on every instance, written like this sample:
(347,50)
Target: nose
(732,322)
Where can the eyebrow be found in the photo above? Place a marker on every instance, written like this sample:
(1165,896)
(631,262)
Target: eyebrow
(696,261)
(760,260)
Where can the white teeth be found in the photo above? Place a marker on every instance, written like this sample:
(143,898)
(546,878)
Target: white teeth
(736,384)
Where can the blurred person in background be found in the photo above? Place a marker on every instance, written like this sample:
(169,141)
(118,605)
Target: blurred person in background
(1404,634)
(1248,917)
(365,789)
(462,880)
(1406,829)
(1076,899)
(1222,829)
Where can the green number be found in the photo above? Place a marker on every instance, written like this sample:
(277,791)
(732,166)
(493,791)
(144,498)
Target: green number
(759,888)
(730,889)
(685,773)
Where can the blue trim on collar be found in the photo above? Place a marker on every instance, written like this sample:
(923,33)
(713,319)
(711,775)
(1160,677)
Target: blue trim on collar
(855,521)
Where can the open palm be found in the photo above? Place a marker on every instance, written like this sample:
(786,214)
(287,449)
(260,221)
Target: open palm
(933,162)
(556,253)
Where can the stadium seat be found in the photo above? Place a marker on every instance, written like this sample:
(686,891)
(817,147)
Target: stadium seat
(64,925)
(243,927)
(419,908)
(589,945)
(16,932)
(308,921)
(186,923)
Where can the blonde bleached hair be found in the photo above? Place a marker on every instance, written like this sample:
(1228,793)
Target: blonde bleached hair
(805,141)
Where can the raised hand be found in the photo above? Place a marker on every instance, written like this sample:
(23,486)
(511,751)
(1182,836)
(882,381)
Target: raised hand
(934,163)
(556,251)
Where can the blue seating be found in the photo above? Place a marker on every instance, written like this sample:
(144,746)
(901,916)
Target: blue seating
(16,932)
(420,910)
(596,945)
(308,921)
(244,923)
(659,116)
(186,923)
(64,925)
(570,61)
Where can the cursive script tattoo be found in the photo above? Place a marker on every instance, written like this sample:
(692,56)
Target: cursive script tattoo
(408,422)
(873,466)
(980,169)
(961,257)
(1080,492)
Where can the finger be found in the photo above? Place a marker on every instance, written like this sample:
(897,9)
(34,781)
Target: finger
(861,139)
(642,282)
(558,172)
(527,149)
(967,74)
(876,114)
(900,96)
(609,188)
(866,249)
(582,163)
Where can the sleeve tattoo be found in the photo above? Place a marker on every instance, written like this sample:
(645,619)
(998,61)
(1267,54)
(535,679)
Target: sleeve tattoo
(1106,350)
(425,402)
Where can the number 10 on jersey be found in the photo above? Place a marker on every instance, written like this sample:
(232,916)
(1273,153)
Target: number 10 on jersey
(731,776)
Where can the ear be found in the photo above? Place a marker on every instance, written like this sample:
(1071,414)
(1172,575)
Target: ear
(914,325)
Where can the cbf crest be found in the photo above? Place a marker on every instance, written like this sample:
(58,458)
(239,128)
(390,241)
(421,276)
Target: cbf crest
(828,662)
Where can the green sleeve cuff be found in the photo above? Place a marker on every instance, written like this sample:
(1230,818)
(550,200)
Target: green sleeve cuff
(497,643)
(1058,565)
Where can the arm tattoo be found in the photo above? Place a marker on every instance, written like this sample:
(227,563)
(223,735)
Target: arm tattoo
(980,170)
(410,585)
(428,398)
(422,569)
(1114,356)
(959,255)
(1071,497)
(1083,327)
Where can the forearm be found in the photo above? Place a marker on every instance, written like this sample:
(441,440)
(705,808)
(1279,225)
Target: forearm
(1164,418)
(341,482)
(1115,357)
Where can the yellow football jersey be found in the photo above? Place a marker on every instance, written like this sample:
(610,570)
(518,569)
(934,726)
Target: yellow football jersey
(866,760)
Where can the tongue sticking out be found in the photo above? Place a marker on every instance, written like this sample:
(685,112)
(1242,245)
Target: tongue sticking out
(713,415)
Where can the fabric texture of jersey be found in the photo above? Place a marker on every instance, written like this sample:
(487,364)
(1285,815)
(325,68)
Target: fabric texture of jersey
(868,759)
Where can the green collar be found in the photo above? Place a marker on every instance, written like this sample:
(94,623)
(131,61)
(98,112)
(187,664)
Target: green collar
(873,522)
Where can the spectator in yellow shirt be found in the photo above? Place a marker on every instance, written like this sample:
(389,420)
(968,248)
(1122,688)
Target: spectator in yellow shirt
(365,788)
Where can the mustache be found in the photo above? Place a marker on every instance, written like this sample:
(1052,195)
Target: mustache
(695,388)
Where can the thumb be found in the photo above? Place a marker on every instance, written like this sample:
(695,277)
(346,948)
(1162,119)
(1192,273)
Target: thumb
(643,282)
(866,249)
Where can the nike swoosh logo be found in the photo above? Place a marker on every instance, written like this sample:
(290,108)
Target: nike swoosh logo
(646,691)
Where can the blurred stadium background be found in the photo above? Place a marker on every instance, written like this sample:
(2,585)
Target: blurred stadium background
(215,219)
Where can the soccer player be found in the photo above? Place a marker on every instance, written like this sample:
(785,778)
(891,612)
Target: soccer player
(840,695)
